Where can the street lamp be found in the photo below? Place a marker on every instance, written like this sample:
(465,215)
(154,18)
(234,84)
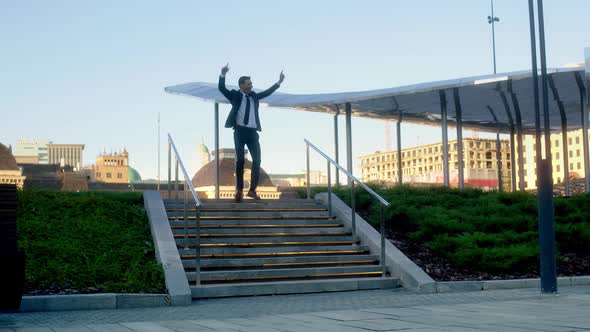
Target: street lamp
(492,20)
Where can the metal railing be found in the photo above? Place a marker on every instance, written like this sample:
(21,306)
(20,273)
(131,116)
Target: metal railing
(383,202)
(187,186)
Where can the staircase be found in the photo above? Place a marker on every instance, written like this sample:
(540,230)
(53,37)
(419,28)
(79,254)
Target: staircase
(272,247)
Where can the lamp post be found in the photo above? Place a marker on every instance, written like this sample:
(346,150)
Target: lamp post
(492,20)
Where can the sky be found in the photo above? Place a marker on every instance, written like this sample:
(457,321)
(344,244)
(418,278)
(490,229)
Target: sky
(94,72)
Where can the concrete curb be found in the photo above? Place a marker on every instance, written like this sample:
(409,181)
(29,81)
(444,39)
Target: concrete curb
(166,251)
(411,275)
(486,285)
(92,301)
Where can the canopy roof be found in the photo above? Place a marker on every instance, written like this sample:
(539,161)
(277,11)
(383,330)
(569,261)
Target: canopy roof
(421,103)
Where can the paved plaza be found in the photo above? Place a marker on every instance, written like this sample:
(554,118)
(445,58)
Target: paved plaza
(380,310)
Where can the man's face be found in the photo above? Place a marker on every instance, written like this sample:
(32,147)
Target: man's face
(246,86)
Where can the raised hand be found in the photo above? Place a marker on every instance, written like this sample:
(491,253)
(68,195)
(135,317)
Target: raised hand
(225,69)
(281,77)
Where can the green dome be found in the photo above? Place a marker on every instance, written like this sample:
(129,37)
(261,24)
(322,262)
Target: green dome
(203,148)
(133,175)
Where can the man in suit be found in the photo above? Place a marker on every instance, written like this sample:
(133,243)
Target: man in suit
(245,121)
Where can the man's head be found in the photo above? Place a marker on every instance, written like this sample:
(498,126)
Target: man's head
(245,84)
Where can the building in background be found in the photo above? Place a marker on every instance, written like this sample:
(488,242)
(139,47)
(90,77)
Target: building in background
(10,173)
(575,150)
(423,165)
(66,154)
(316,178)
(112,167)
(31,152)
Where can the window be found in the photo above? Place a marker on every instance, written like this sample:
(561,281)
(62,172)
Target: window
(489,155)
(97,174)
(578,140)
(119,175)
(577,152)
(556,143)
(571,154)
(571,165)
(556,155)
(108,175)
(557,168)
(488,164)
(579,165)
(570,141)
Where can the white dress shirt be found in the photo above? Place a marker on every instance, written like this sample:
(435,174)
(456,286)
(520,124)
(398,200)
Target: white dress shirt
(241,117)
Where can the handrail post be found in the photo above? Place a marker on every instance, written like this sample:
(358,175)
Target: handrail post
(176,188)
(308,185)
(383,263)
(198,245)
(352,210)
(329,190)
(169,169)
(186,246)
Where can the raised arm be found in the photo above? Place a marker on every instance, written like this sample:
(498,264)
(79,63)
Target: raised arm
(221,84)
(273,88)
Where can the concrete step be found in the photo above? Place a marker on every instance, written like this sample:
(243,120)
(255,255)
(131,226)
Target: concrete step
(286,274)
(277,231)
(268,217)
(175,225)
(246,201)
(249,208)
(239,238)
(245,222)
(278,214)
(280,262)
(266,242)
(275,251)
(292,287)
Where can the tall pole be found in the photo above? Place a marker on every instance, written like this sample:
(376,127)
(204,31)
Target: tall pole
(492,20)
(216,150)
(158,152)
(336,154)
(348,111)
(544,176)
(445,137)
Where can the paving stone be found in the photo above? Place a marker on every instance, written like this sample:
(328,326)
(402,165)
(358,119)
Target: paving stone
(72,329)
(146,327)
(108,328)
(348,315)
(383,324)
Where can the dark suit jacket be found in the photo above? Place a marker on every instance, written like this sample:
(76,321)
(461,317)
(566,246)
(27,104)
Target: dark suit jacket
(235,98)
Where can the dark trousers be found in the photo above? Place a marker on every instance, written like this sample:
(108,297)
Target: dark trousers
(249,137)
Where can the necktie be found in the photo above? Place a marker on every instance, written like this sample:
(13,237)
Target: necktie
(247,116)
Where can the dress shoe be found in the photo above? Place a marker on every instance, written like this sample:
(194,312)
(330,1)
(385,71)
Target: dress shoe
(253,194)
(238,196)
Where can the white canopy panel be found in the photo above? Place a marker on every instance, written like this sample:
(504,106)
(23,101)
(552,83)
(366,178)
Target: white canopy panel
(421,103)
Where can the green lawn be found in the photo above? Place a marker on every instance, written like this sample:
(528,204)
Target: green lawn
(90,239)
(487,232)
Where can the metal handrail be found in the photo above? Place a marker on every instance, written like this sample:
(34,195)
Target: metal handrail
(381,200)
(364,186)
(188,186)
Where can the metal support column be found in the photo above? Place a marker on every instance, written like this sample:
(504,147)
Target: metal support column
(498,148)
(566,180)
(520,152)
(216,150)
(545,177)
(445,137)
(169,169)
(584,114)
(348,111)
(512,147)
(336,154)
(459,117)
(399,149)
